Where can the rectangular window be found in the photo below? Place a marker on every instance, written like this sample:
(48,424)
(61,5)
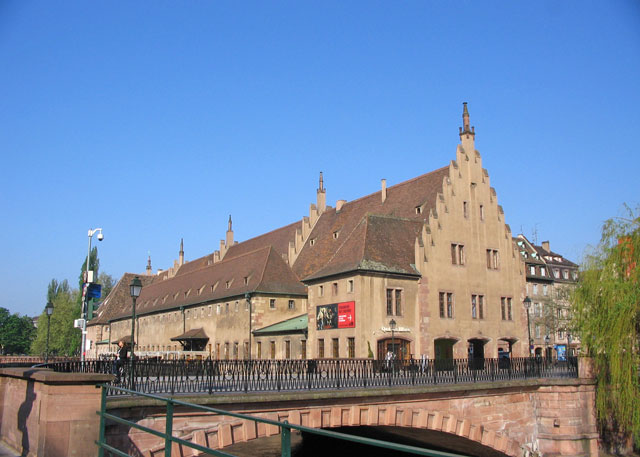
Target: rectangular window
(545,290)
(481,306)
(509,310)
(493,260)
(543,271)
(226,351)
(457,254)
(538,332)
(321,348)
(441,303)
(535,289)
(287,349)
(556,273)
(450,305)
(350,286)
(272,303)
(352,347)
(536,310)
(292,304)
(465,209)
(235,351)
(474,307)
(394,302)
(505,307)
(482,212)
(335,288)
(398,302)
(335,344)
(273,350)
(259,344)
(320,291)
(303,349)
(532,270)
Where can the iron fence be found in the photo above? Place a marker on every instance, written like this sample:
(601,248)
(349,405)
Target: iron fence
(228,376)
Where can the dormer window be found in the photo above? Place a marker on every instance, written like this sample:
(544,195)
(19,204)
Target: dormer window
(228,284)
(312,241)
(246,280)
(418,209)
(335,235)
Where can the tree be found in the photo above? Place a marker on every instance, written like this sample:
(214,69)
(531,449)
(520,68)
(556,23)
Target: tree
(64,339)
(16,332)
(607,317)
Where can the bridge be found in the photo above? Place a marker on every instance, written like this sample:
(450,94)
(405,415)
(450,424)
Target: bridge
(487,411)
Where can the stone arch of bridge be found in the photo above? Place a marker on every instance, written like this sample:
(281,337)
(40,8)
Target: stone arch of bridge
(229,431)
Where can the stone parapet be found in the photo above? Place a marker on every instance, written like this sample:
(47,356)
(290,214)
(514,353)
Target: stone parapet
(49,414)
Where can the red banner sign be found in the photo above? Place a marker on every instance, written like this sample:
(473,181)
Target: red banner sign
(347,314)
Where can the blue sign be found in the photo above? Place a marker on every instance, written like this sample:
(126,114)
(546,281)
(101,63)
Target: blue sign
(94,291)
(561,350)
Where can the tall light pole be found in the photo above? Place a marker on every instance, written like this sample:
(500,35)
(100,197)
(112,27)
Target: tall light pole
(134,289)
(392,325)
(247,297)
(85,302)
(527,305)
(49,310)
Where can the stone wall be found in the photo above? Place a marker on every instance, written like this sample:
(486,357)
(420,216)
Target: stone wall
(48,414)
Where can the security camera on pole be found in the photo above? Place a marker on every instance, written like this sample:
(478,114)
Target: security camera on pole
(88,279)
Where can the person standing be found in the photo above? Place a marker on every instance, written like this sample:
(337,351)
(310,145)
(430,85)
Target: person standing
(121,359)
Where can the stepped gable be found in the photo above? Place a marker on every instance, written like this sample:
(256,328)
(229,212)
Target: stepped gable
(334,227)
(224,279)
(119,299)
(279,239)
(378,243)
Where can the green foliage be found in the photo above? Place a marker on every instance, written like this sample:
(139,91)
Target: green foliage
(108,282)
(607,316)
(64,339)
(16,333)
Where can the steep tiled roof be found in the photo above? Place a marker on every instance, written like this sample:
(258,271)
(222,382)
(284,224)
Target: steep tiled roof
(378,243)
(334,227)
(278,239)
(554,258)
(119,299)
(264,270)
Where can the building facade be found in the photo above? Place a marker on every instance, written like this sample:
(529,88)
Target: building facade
(424,268)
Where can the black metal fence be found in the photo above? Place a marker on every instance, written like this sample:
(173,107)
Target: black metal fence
(213,376)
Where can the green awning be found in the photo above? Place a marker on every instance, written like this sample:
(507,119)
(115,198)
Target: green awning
(297,324)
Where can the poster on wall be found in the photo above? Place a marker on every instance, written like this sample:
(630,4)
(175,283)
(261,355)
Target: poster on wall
(336,315)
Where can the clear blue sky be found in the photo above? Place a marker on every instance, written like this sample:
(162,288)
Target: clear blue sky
(155,120)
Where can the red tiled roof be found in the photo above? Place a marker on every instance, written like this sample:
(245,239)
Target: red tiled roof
(334,227)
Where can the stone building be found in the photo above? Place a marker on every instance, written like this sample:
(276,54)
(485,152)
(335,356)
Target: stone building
(427,267)
(550,279)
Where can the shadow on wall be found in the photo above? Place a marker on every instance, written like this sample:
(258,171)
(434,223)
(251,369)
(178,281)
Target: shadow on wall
(24,412)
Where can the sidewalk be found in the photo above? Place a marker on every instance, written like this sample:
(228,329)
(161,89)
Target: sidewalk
(6,452)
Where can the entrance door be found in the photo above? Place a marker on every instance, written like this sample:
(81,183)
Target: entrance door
(443,350)
(475,350)
(400,348)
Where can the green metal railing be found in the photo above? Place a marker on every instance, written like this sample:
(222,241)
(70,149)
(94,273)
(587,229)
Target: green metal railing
(285,430)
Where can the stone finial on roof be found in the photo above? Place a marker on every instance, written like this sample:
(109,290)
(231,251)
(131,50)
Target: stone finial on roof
(230,223)
(181,253)
(466,129)
(149,269)
(321,201)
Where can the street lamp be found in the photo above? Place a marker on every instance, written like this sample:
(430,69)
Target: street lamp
(49,310)
(85,302)
(134,289)
(569,352)
(527,305)
(546,345)
(247,297)
(392,325)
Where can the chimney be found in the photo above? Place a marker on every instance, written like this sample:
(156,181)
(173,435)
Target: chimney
(545,246)
(181,253)
(384,190)
(340,204)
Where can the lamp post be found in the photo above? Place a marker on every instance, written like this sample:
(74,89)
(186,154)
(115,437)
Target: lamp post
(527,305)
(569,353)
(85,302)
(546,346)
(49,310)
(134,289)
(392,325)
(247,297)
